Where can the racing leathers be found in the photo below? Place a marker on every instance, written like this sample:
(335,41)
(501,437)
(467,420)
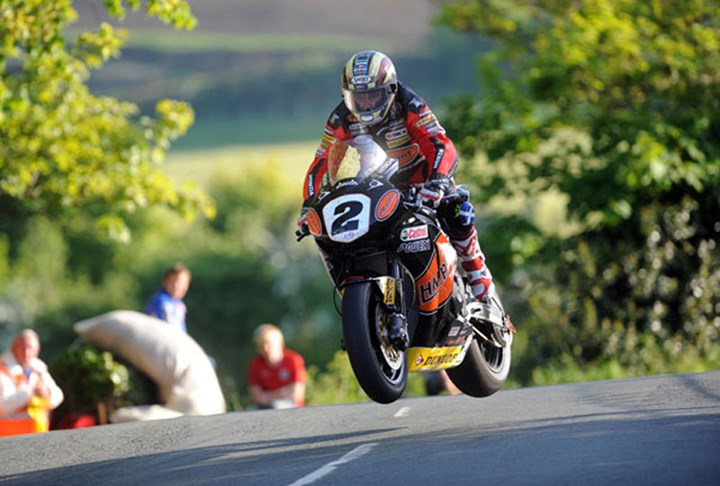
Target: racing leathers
(426,156)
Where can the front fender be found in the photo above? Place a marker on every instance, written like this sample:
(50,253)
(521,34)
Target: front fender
(385,287)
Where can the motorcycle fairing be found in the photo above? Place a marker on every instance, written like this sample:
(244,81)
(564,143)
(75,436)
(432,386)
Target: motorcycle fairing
(435,284)
(427,253)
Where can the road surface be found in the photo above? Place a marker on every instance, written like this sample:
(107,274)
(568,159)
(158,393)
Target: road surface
(652,430)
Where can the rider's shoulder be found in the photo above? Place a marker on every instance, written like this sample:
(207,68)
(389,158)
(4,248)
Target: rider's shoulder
(339,117)
(409,99)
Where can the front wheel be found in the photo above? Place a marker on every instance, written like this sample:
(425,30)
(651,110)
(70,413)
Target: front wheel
(380,368)
(484,369)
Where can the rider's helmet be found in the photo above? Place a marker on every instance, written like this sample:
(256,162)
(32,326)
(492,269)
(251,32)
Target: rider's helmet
(369,84)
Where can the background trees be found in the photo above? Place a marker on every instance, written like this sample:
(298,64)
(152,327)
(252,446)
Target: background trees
(614,106)
(592,147)
(73,166)
(65,150)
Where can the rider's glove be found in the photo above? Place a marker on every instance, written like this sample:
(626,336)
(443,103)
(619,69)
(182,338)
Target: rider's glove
(433,190)
(302,229)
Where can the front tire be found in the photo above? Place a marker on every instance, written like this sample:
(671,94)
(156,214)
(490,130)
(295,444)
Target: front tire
(484,369)
(381,369)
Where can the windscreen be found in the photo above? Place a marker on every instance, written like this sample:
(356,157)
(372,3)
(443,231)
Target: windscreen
(354,159)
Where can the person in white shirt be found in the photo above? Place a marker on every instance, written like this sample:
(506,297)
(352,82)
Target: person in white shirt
(27,391)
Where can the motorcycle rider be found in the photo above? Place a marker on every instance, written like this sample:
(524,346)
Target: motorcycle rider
(377,104)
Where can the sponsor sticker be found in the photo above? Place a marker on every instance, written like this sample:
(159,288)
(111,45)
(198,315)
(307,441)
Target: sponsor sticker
(430,123)
(327,140)
(313,221)
(428,359)
(346,184)
(430,289)
(361,79)
(387,205)
(395,134)
(394,144)
(443,359)
(414,233)
(389,297)
(405,154)
(414,246)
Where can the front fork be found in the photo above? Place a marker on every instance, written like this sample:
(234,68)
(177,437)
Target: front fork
(393,298)
(389,288)
(390,292)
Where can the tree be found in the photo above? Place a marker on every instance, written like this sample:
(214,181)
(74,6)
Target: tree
(63,150)
(616,106)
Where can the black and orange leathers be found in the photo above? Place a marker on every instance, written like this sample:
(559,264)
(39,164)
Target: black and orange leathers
(410,133)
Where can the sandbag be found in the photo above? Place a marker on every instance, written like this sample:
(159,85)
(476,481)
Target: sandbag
(185,378)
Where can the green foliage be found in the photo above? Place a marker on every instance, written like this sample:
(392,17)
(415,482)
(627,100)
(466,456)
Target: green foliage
(615,106)
(89,376)
(335,384)
(610,105)
(63,149)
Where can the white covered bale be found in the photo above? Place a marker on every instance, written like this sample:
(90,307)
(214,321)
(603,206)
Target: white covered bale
(185,378)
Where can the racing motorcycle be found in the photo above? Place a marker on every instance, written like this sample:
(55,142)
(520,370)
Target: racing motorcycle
(389,258)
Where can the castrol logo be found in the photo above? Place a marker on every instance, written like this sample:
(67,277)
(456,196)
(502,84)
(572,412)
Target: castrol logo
(414,233)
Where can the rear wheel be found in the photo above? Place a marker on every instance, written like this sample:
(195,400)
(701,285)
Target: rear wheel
(484,369)
(380,368)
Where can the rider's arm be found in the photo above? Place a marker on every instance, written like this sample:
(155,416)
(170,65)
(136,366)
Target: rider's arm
(313,177)
(333,131)
(434,143)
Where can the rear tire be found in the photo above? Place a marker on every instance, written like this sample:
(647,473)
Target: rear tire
(484,369)
(381,370)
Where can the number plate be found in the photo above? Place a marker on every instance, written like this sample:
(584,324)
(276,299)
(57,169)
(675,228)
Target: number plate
(347,218)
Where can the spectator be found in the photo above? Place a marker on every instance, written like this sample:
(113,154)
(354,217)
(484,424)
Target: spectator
(27,391)
(167,303)
(276,374)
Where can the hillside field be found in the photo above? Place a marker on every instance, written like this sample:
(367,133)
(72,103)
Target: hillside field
(200,166)
(260,72)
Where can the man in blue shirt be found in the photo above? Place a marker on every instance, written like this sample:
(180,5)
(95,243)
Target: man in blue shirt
(167,304)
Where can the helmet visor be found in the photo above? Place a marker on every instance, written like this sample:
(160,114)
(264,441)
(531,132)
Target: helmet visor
(369,104)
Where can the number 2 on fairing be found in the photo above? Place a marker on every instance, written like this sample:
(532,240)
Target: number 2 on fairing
(347,218)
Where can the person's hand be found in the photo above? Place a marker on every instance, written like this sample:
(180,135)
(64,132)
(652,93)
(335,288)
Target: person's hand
(433,191)
(41,391)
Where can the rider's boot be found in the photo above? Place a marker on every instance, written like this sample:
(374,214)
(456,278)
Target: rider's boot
(397,331)
(472,260)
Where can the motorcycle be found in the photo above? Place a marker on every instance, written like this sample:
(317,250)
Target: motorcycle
(389,259)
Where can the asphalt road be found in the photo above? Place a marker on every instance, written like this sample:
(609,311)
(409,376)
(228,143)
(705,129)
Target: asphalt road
(653,430)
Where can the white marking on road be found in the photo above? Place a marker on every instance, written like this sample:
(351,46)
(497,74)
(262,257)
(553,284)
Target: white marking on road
(330,467)
(402,412)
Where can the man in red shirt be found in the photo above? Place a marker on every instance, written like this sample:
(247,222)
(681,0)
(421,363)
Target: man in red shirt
(376,104)
(276,375)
